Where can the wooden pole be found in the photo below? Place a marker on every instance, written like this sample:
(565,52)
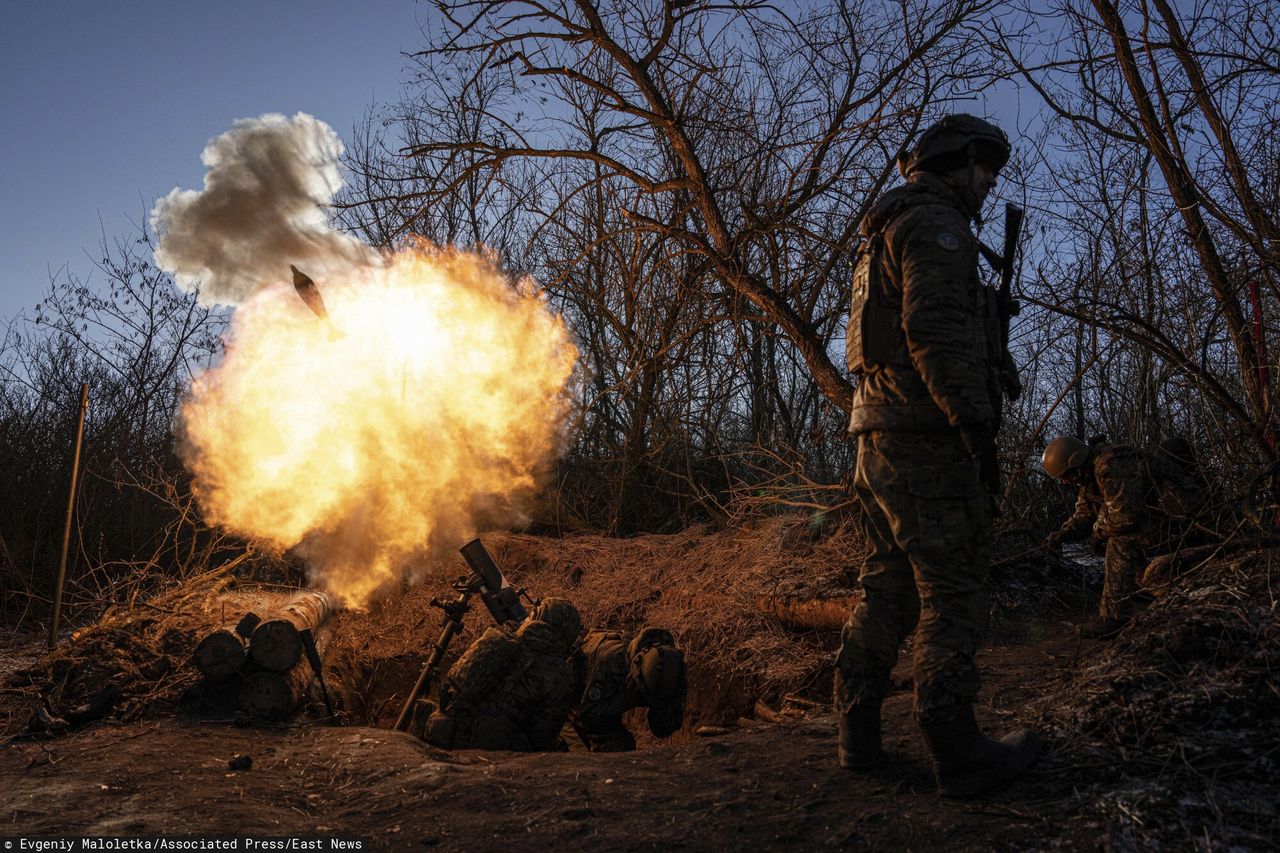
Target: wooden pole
(71,510)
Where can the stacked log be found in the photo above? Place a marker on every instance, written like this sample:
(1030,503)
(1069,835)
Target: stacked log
(223,653)
(283,670)
(275,696)
(277,658)
(277,641)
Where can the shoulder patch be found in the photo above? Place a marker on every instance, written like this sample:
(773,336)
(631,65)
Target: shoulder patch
(949,241)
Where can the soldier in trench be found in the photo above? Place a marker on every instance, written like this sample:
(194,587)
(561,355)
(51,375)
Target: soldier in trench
(930,371)
(1134,504)
(617,675)
(511,690)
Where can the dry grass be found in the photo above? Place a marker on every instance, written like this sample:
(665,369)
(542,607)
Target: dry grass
(707,587)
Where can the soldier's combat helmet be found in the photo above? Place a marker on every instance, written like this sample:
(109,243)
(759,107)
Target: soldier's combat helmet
(1063,454)
(954,142)
(561,616)
(658,671)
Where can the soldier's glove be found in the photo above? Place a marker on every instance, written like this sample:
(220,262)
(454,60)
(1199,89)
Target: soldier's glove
(1052,542)
(981,444)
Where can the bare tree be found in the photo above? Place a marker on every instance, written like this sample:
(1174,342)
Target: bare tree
(1178,216)
(137,340)
(768,132)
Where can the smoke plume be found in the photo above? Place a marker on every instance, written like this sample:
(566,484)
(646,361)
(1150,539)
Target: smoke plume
(262,208)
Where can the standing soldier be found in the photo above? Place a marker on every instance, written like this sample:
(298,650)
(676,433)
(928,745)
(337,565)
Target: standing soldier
(1133,502)
(924,345)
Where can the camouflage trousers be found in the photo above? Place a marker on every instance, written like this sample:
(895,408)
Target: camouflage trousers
(927,523)
(1126,558)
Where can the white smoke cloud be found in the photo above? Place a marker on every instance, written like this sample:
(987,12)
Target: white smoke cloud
(262,208)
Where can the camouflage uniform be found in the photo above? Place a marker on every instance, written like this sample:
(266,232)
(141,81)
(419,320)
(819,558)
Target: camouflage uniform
(926,516)
(511,690)
(610,684)
(1138,504)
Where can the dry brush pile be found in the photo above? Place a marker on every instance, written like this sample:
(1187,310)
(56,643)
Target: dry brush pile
(132,661)
(1168,735)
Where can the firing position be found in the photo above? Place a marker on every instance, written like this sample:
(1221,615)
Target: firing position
(616,676)
(511,690)
(925,346)
(1135,504)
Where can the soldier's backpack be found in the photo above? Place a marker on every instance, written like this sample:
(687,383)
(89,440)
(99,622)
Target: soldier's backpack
(481,672)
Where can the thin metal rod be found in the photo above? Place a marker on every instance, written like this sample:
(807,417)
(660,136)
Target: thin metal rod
(71,511)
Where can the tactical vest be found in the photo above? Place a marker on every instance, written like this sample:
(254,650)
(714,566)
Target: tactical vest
(874,335)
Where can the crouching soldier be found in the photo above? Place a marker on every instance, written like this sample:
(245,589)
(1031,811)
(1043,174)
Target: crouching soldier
(1131,502)
(615,676)
(511,690)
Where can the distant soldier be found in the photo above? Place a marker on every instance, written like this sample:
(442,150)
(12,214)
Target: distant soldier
(1131,502)
(511,690)
(616,675)
(924,343)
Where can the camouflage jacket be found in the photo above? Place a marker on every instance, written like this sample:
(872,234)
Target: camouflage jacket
(506,691)
(1130,493)
(947,374)
(603,665)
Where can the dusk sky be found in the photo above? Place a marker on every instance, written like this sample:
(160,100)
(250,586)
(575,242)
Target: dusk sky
(107,105)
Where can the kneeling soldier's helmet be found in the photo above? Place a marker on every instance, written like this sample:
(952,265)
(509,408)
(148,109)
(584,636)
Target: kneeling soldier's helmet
(1064,454)
(954,142)
(562,616)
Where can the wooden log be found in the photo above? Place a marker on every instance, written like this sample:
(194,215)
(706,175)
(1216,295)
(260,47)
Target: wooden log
(811,614)
(276,696)
(277,642)
(222,653)
(1161,572)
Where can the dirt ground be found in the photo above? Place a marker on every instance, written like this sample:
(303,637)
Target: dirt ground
(759,785)
(1162,739)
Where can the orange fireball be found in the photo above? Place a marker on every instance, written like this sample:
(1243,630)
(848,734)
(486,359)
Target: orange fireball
(427,420)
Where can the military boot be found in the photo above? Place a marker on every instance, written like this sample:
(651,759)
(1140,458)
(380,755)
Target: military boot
(967,763)
(860,738)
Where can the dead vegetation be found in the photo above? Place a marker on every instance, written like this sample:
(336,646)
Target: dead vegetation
(1169,732)
(757,608)
(132,662)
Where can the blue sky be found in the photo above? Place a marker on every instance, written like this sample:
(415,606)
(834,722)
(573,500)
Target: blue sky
(106,105)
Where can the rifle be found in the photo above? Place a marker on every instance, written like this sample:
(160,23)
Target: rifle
(1006,307)
(502,600)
